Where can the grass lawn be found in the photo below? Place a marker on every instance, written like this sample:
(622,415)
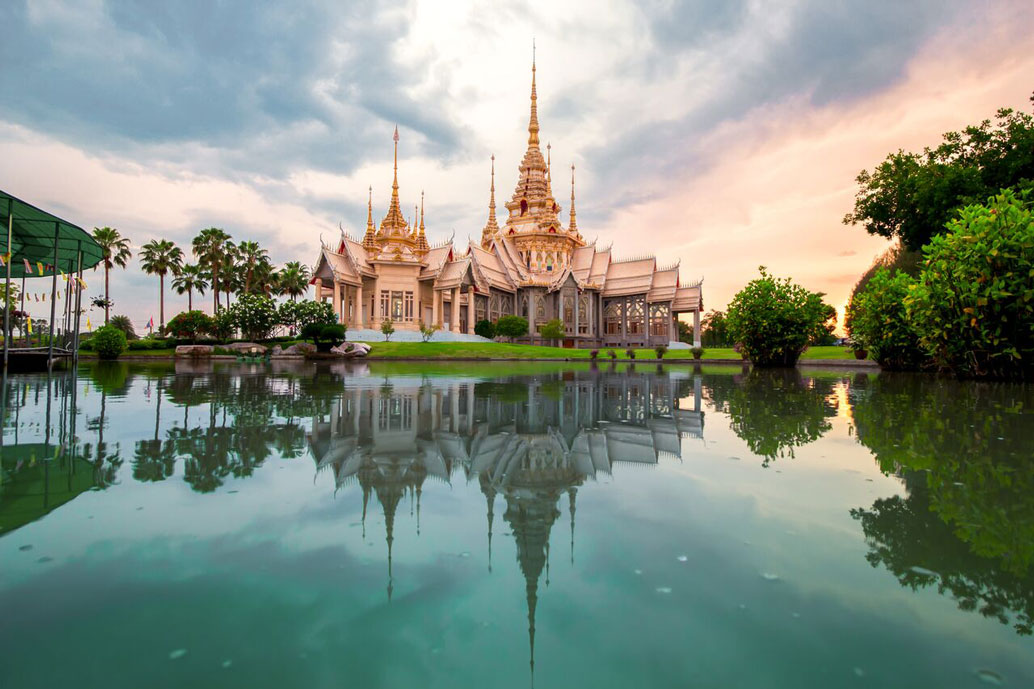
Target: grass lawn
(503,350)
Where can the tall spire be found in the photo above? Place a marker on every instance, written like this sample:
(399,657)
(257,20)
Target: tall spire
(421,238)
(394,222)
(491,229)
(533,124)
(573,227)
(370,229)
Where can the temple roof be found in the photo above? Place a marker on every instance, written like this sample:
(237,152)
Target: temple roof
(629,277)
(688,299)
(451,275)
(491,268)
(664,285)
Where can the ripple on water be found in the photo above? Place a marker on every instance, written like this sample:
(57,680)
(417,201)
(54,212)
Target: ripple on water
(177,654)
(663,589)
(769,576)
(683,558)
(990,677)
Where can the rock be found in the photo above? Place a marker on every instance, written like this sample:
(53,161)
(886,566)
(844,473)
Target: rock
(277,350)
(351,350)
(193,350)
(246,347)
(299,349)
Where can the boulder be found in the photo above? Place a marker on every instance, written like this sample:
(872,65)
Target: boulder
(246,347)
(300,348)
(351,350)
(277,350)
(193,350)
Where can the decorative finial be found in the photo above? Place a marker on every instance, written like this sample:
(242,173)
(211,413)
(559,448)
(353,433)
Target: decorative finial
(370,230)
(421,211)
(549,163)
(492,226)
(533,124)
(574,223)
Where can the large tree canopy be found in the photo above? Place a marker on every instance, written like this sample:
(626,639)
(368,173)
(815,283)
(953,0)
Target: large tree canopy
(912,195)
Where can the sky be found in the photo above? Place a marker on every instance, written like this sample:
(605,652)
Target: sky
(722,135)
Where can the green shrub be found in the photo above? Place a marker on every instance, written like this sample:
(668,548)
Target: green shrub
(511,327)
(485,329)
(254,315)
(427,331)
(661,350)
(552,330)
(189,325)
(387,328)
(298,314)
(630,353)
(124,324)
(109,342)
(223,325)
(773,320)
(612,354)
(335,332)
(973,305)
(697,352)
(311,331)
(877,321)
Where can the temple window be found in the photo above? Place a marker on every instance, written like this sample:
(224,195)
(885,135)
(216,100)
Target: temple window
(636,319)
(583,314)
(569,312)
(385,304)
(612,318)
(479,308)
(659,317)
(524,207)
(540,310)
(409,306)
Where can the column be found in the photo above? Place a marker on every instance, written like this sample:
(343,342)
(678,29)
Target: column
(359,306)
(470,409)
(375,307)
(696,328)
(577,299)
(337,301)
(471,311)
(454,319)
(436,313)
(319,289)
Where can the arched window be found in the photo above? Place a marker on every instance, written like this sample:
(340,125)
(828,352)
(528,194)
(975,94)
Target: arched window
(524,207)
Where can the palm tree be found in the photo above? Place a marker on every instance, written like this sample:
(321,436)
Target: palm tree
(191,279)
(160,257)
(251,254)
(230,279)
(209,247)
(293,279)
(115,252)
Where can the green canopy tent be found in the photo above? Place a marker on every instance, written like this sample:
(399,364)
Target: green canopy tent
(42,239)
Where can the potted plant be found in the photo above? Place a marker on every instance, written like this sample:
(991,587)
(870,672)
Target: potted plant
(630,353)
(697,352)
(661,350)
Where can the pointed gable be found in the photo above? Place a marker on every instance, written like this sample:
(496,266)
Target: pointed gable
(629,277)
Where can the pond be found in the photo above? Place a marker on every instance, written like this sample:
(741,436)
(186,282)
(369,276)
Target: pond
(497,525)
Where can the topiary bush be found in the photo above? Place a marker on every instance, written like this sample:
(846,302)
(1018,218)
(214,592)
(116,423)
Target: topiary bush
(485,329)
(973,304)
(773,320)
(109,342)
(189,325)
(511,327)
(878,323)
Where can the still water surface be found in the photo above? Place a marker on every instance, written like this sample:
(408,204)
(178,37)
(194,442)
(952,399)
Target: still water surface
(407,525)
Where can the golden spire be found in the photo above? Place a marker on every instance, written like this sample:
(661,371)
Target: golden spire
(533,124)
(491,227)
(549,163)
(421,240)
(394,222)
(368,239)
(573,227)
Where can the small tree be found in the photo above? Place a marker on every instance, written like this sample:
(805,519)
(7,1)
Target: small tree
(774,320)
(125,325)
(511,327)
(387,329)
(552,330)
(109,342)
(254,315)
(223,325)
(189,325)
(427,331)
(298,314)
(485,329)
(878,323)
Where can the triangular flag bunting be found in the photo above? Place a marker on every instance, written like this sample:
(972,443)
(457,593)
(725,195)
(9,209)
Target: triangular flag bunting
(28,268)
(40,266)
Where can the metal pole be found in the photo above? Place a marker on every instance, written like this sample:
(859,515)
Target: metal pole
(7,296)
(53,295)
(78,308)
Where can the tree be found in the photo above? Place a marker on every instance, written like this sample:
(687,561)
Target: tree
(387,329)
(293,279)
(298,314)
(209,247)
(160,257)
(485,328)
(685,332)
(254,315)
(714,329)
(251,254)
(427,331)
(877,321)
(973,305)
(125,325)
(189,325)
(552,330)
(774,320)
(230,278)
(190,279)
(511,327)
(913,195)
(114,252)
(108,342)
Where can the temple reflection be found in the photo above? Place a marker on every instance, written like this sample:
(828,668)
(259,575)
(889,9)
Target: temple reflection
(529,440)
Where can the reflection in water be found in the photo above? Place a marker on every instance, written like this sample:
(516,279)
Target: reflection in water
(530,440)
(967,525)
(774,410)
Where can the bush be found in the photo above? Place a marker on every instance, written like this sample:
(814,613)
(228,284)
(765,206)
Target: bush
(594,354)
(630,353)
(109,342)
(298,314)
(335,332)
(223,325)
(661,350)
(552,330)
(877,321)
(511,327)
(973,306)
(774,320)
(485,329)
(124,324)
(189,325)
(612,354)
(254,315)
(697,352)
(387,328)
(427,331)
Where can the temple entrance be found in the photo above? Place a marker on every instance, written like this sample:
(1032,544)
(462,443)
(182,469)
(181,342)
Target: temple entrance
(568,343)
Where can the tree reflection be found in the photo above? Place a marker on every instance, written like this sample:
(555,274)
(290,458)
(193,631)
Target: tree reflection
(773,410)
(963,452)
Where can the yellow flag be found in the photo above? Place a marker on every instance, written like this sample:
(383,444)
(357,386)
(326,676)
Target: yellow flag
(64,277)
(82,284)
(88,326)
(40,267)
(30,325)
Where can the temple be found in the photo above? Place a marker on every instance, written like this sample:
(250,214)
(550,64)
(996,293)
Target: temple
(532,266)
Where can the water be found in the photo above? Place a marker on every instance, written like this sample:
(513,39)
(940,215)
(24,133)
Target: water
(397,525)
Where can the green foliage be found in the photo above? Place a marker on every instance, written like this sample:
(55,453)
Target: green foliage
(511,326)
(630,353)
(149,343)
(973,306)
(125,325)
(298,314)
(714,330)
(335,332)
(612,354)
(552,330)
(427,331)
(485,329)
(254,315)
(594,354)
(387,329)
(895,259)
(109,342)
(223,325)
(661,350)
(685,332)
(913,195)
(774,320)
(877,322)
(697,352)
(189,325)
